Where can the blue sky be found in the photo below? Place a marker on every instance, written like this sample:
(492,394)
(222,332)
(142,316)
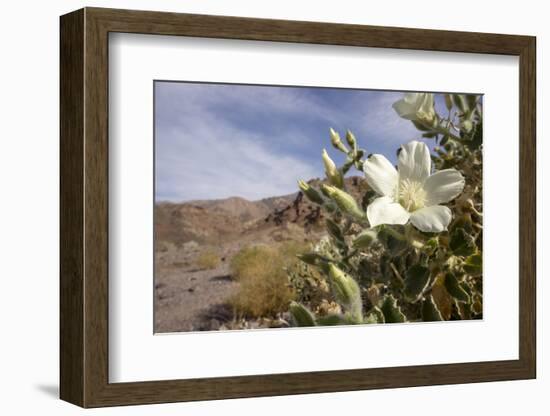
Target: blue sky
(219,140)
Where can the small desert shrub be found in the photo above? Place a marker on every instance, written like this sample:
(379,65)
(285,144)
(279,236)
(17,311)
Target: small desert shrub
(208,260)
(262,272)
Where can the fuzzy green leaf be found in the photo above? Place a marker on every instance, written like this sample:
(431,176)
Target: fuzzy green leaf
(473,265)
(417,278)
(455,289)
(430,312)
(392,312)
(310,258)
(462,243)
(331,320)
(334,230)
(375,316)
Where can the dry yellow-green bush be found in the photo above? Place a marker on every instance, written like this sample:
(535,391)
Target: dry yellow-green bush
(264,288)
(208,260)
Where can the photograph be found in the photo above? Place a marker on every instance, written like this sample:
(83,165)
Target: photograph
(282,206)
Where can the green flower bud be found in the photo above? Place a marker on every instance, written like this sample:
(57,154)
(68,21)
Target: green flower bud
(301,315)
(461,102)
(350,138)
(345,202)
(333,174)
(365,239)
(337,141)
(346,290)
(310,192)
(467,126)
(448,102)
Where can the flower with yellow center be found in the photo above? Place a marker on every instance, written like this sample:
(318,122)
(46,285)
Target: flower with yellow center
(411,193)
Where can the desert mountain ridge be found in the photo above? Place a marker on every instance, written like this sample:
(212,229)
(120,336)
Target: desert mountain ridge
(215,221)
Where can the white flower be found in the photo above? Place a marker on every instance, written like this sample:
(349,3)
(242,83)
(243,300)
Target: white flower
(411,192)
(416,106)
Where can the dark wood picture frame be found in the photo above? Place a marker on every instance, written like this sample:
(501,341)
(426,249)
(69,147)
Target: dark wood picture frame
(84,207)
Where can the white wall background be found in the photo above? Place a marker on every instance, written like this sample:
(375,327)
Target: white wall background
(29,85)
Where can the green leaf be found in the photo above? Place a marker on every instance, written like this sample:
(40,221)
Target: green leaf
(477,138)
(301,315)
(353,318)
(455,289)
(394,246)
(462,243)
(392,312)
(310,258)
(331,320)
(334,230)
(473,265)
(417,278)
(464,310)
(375,316)
(430,311)
(471,99)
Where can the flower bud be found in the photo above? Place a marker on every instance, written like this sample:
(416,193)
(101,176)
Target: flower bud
(448,102)
(333,174)
(461,102)
(337,141)
(350,138)
(365,239)
(467,126)
(310,192)
(416,107)
(345,202)
(346,289)
(301,315)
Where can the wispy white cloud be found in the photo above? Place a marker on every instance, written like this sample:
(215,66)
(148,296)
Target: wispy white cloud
(211,159)
(217,141)
(382,124)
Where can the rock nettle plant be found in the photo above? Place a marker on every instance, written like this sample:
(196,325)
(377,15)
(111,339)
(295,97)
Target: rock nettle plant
(410,249)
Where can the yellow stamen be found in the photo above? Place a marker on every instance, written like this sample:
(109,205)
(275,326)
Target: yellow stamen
(411,195)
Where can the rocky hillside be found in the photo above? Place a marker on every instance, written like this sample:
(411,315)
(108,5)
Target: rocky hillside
(217,221)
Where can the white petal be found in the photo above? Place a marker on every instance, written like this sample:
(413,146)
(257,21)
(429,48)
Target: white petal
(381,175)
(414,162)
(427,104)
(443,186)
(405,109)
(384,210)
(432,219)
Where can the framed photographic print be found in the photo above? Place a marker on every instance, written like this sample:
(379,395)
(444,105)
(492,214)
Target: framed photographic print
(255,207)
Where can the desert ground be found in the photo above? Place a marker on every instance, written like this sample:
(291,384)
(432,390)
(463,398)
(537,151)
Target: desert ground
(195,242)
